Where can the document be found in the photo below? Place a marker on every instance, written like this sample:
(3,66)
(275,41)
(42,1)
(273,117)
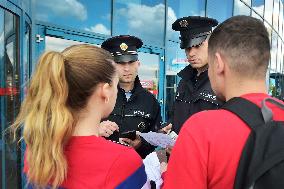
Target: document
(158,139)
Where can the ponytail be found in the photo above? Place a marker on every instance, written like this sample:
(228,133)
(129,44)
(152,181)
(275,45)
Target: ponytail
(48,122)
(59,89)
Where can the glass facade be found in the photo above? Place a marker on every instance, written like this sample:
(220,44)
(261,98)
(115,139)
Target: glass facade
(142,18)
(79,14)
(151,21)
(161,57)
(9,97)
(220,14)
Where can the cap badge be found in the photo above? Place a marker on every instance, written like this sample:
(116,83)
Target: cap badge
(183,23)
(123,46)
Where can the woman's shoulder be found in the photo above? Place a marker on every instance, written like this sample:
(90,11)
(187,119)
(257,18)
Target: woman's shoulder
(127,170)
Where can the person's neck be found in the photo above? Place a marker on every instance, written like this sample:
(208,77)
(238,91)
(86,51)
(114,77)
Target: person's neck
(87,125)
(202,69)
(239,88)
(126,86)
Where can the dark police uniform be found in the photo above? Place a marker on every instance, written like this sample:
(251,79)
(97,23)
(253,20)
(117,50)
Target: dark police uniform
(194,92)
(140,111)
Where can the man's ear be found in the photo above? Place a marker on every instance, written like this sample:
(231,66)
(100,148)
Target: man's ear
(138,62)
(219,63)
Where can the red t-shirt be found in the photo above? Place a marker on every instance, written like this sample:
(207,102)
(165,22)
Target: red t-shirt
(208,149)
(96,163)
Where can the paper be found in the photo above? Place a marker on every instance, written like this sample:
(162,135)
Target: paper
(158,139)
(153,169)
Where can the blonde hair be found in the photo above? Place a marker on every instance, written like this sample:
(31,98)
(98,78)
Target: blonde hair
(60,87)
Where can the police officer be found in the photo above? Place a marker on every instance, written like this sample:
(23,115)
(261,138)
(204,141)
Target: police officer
(136,108)
(194,92)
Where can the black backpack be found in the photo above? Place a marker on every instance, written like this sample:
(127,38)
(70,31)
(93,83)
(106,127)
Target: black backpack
(261,165)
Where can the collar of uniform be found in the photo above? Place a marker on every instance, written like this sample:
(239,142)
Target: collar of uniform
(188,73)
(201,79)
(137,87)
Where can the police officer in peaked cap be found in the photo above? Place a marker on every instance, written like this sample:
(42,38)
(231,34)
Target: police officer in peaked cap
(136,108)
(194,92)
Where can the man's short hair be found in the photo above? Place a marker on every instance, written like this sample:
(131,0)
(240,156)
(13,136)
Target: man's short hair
(244,42)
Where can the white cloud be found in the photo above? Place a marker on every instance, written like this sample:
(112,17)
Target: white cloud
(42,16)
(57,44)
(171,19)
(148,21)
(144,20)
(241,8)
(66,8)
(10,52)
(99,28)
(1,46)
(107,17)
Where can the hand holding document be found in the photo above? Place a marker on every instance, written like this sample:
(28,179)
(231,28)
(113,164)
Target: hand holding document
(158,139)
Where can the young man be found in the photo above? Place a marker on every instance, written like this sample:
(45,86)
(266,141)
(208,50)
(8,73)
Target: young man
(194,92)
(208,149)
(136,108)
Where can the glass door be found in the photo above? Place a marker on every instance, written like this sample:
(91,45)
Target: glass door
(151,72)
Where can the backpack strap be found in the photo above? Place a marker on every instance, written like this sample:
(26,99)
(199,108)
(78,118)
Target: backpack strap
(266,111)
(249,112)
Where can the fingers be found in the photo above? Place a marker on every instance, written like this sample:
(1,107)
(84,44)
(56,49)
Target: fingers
(133,143)
(169,149)
(125,141)
(107,128)
(108,132)
(110,125)
(164,167)
(167,128)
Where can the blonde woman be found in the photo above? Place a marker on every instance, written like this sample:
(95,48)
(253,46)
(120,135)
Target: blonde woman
(69,94)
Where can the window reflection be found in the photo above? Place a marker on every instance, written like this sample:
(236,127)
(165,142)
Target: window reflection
(281,19)
(258,6)
(273,60)
(276,14)
(27,56)
(176,60)
(178,9)
(279,55)
(255,15)
(9,97)
(92,16)
(268,11)
(220,14)
(2,85)
(58,44)
(276,87)
(149,71)
(144,19)
(240,8)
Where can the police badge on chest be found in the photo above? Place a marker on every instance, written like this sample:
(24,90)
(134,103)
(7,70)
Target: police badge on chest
(141,126)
